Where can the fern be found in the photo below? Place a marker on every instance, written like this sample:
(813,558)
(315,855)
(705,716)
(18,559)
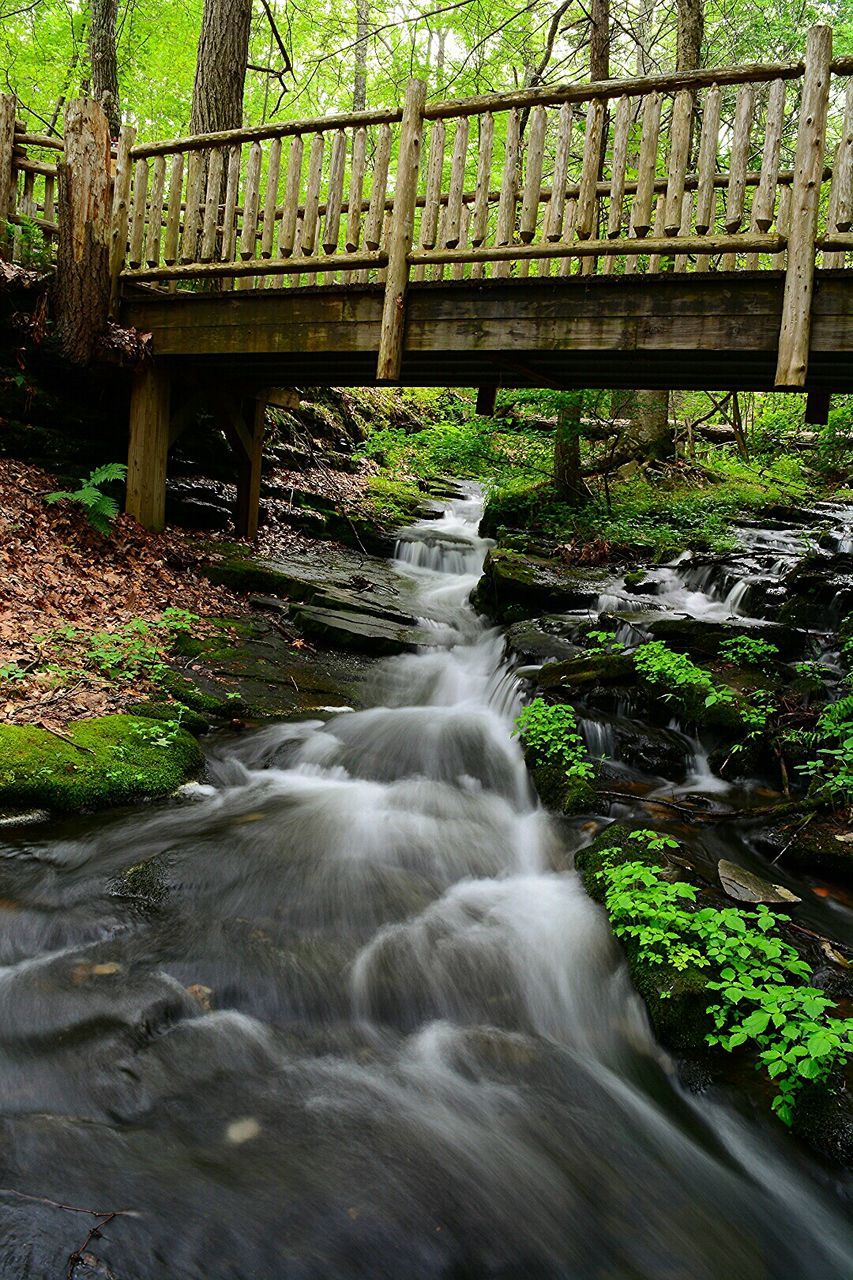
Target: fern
(100,508)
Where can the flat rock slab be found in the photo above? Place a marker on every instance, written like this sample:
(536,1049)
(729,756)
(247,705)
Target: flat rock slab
(366,633)
(745,886)
(331,576)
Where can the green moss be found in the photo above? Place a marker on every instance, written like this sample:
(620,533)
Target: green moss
(676,999)
(561,793)
(171,712)
(109,760)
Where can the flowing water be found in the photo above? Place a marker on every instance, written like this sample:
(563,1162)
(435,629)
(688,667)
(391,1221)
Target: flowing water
(409,1047)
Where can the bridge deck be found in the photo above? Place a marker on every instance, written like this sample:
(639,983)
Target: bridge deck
(711,330)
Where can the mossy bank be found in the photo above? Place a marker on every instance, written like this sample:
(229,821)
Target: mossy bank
(94,764)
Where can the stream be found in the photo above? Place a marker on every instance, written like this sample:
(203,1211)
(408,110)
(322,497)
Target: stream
(363,1020)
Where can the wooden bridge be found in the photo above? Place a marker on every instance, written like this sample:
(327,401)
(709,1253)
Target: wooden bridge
(676,231)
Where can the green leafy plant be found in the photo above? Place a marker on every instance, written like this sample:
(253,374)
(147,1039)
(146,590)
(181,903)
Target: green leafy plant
(749,651)
(691,686)
(100,508)
(11,672)
(598,642)
(764,997)
(550,731)
(831,769)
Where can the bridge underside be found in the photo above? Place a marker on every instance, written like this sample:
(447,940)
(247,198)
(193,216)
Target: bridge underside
(707,331)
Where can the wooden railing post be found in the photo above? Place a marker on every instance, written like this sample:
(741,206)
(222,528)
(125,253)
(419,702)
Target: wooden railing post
(120,212)
(795,332)
(7,177)
(401,232)
(82,288)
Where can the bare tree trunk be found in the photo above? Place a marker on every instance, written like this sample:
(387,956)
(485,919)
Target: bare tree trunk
(103,61)
(82,285)
(599,40)
(568,480)
(220,74)
(691,31)
(362,30)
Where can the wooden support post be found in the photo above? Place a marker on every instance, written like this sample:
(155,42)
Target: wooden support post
(82,288)
(7,177)
(808,173)
(817,408)
(249,471)
(149,447)
(486,400)
(401,231)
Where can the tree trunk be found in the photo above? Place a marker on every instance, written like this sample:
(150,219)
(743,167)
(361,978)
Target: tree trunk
(568,480)
(103,61)
(82,283)
(220,74)
(691,30)
(599,40)
(362,29)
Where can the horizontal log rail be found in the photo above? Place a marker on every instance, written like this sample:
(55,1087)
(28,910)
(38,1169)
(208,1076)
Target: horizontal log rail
(719,169)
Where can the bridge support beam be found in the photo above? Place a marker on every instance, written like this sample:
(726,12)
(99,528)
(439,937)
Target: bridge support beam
(244,428)
(149,447)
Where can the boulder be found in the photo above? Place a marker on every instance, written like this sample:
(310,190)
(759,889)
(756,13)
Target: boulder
(516,585)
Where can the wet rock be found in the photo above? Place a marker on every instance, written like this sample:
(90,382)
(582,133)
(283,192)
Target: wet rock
(516,586)
(364,632)
(547,638)
(254,669)
(702,639)
(587,671)
(560,793)
(817,845)
(820,592)
(745,886)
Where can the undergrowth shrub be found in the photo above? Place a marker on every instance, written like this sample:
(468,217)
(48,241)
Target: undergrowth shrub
(763,995)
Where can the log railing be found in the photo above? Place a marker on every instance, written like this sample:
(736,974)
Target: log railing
(28,189)
(715,170)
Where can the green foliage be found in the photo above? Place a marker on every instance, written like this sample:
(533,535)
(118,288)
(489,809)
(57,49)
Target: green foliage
(831,769)
(690,686)
(12,673)
(550,732)
(100,508)
(464,445)
(136,650)
(658,514)
(764,998)
(598,642)
(749,651)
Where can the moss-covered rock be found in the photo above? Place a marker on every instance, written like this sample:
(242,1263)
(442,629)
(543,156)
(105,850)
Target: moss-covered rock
(172,713)
(516,585)
(559,792)
(587,671)
(101,762)
(676,999)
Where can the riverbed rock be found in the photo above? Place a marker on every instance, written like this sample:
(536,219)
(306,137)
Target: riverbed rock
(746,886)
(819,592)
(364,632)
(258,668)
(516,586)
(701,638)
(587,671)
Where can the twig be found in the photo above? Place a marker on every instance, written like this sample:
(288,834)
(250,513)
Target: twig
(68,1208)
(65,738)
(797,833)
